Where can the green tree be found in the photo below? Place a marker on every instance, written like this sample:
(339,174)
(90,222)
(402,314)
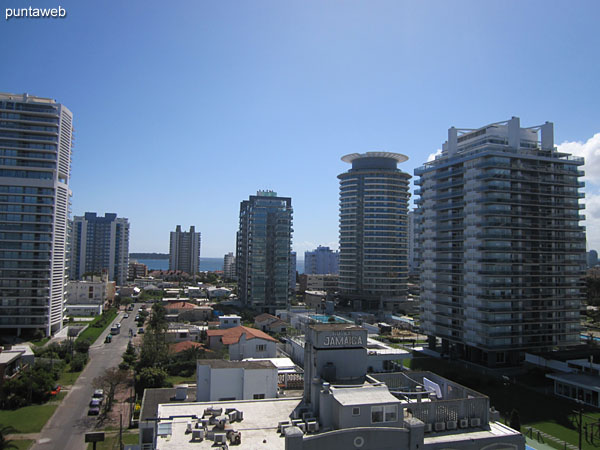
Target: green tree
(150,377)
(111,381)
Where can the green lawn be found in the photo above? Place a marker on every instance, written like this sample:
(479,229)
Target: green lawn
(40,342)
(68,378)
(112,441)
(92,333)
(22,444)
(175,380)
(29,419)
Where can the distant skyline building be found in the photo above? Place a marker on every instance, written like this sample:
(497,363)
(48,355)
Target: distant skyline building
(184,250)
(36,137)
(592,258)
(293,273)
(321,261)
(229,265)
(136,270)
(373,231)
(263,253)
(100,244)
(502,250)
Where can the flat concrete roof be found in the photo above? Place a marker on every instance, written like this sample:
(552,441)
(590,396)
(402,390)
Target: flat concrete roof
(496,429)
(335,327)
(580,379)
(259,426)
(364,395)
(226,364)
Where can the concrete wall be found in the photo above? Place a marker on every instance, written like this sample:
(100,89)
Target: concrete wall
(363,438)
(349,363)
(260,381)
(236,383)
(343,418)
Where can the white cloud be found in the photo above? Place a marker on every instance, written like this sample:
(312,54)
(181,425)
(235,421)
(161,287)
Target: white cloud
(432,156)
(590,150)
(592,220)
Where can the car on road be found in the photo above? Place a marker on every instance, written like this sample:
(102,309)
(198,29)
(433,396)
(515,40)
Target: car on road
(137,317)
(98,393)
(93,411)
(126,316)
(141,331)
(95,402)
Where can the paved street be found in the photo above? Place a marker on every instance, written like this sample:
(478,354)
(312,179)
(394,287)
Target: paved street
(66,429)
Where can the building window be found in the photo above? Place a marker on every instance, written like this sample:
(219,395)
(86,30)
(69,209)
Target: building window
(261,348)
(259,396)
(387,413)
(356,411)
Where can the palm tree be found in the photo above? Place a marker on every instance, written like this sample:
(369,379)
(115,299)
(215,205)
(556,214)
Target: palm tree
(4,431)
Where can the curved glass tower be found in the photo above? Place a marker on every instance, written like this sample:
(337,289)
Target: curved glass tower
(373,230)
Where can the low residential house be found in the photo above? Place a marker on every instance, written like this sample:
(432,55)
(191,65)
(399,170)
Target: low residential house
(270,323)
(182,311)
(243,342)
(195,292)
(262,320)
(179,332)
(185,345)
(14,359)
(222,380)
(229,321)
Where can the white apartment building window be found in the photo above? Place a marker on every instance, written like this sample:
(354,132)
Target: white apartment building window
(261,348)
(381,414)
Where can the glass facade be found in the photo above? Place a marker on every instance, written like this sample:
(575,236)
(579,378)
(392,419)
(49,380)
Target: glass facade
(263,256)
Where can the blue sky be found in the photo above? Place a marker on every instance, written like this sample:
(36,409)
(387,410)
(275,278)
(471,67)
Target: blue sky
(183,109)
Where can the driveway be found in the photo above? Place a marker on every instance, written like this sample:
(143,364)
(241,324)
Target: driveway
(67,427)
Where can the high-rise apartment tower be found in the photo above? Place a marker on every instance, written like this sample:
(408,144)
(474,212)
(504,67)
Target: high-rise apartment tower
(263,255)
(502,251)
(35,146)
(184,250)
(99,245)
(322,260)
(373,230)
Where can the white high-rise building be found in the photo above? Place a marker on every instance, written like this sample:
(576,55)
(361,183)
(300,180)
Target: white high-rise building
(502,251)
(184,250)
(35,146)
(100,245)
(373,230)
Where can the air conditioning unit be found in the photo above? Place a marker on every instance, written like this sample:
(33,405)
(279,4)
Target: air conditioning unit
(220,438)
(302,427)
(281,424)
(439,426)
(464,423)
(235,437)
(451,425)
(475,422)
(312,426)
(428,428)
(198,435)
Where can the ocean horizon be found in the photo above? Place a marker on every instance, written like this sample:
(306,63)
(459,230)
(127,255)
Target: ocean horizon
(206,264)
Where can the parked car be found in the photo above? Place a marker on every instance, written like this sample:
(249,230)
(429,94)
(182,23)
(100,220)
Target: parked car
(108,339)
(98,393)
(126,316)
(141,331)
(137,317)
(94,411)
(95,402)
